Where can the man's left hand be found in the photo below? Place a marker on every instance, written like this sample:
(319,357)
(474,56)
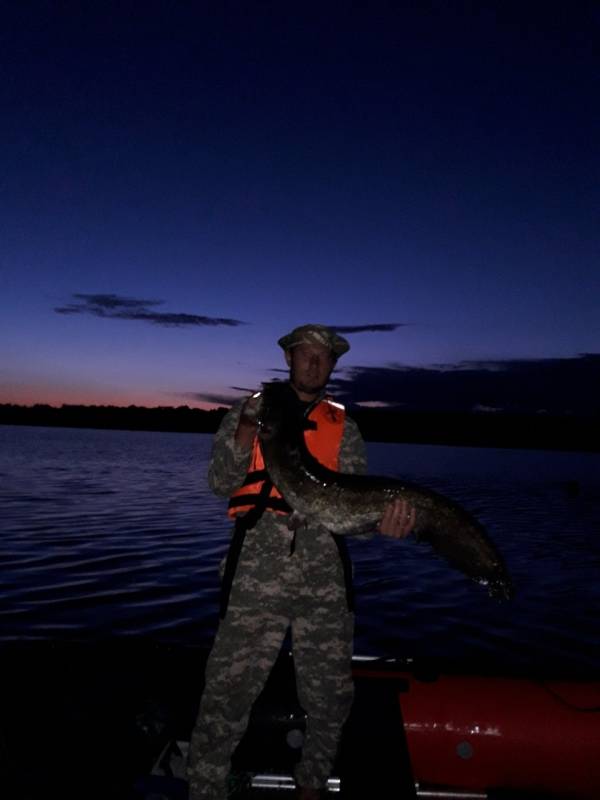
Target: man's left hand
(398,519)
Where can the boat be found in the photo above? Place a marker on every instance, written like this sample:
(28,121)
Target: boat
(474,736)
(417,732)
(113,720)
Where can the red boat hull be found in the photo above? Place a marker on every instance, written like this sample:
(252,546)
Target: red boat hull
(481,733)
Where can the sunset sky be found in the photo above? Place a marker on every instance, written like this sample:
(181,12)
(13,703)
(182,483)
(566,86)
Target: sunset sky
(184,182)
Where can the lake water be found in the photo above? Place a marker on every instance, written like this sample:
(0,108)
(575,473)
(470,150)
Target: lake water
(110,534)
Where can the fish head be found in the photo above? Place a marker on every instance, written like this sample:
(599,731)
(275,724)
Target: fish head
(278,410)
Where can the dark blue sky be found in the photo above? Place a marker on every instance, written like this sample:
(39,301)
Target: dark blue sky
(183,182)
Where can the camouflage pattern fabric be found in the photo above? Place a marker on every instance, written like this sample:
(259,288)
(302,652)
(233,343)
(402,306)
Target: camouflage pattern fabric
(271,591)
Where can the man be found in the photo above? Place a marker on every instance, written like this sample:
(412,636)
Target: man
(277,576)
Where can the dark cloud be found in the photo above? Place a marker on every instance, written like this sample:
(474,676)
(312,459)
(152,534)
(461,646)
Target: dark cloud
(243,389)
(112,306)
(383,327)
(215,399)
(221,399)
(111,301)
(553,385)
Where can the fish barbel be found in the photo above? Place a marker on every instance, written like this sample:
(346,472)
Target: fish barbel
(351,504)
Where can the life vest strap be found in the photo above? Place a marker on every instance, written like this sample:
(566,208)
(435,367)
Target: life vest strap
(244,523)
(342,546)
(270,503)
(255,475)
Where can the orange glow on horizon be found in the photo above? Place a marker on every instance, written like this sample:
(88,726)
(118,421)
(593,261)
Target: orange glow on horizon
(27,395)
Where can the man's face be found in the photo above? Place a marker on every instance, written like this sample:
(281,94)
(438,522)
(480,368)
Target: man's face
(310,367)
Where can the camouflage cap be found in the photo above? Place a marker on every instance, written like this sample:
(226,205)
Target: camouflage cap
(316,334)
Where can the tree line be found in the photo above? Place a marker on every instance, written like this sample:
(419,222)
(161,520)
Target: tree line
(477,429)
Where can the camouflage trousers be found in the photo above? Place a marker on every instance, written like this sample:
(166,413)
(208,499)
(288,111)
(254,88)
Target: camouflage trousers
(246,646)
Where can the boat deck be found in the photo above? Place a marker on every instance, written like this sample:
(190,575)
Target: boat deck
(90,722)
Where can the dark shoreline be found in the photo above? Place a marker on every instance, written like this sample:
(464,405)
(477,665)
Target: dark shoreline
(453,428)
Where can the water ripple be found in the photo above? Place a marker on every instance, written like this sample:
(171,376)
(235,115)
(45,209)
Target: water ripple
(115,533)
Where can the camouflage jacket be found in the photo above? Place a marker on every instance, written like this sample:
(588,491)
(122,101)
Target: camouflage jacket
(267,559)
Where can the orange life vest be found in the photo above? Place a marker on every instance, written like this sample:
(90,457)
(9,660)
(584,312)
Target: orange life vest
(323,440)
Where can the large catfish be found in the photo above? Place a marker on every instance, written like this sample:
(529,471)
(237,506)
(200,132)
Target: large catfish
(350,504)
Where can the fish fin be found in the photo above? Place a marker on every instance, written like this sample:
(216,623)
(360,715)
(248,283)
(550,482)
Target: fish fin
(295,521)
